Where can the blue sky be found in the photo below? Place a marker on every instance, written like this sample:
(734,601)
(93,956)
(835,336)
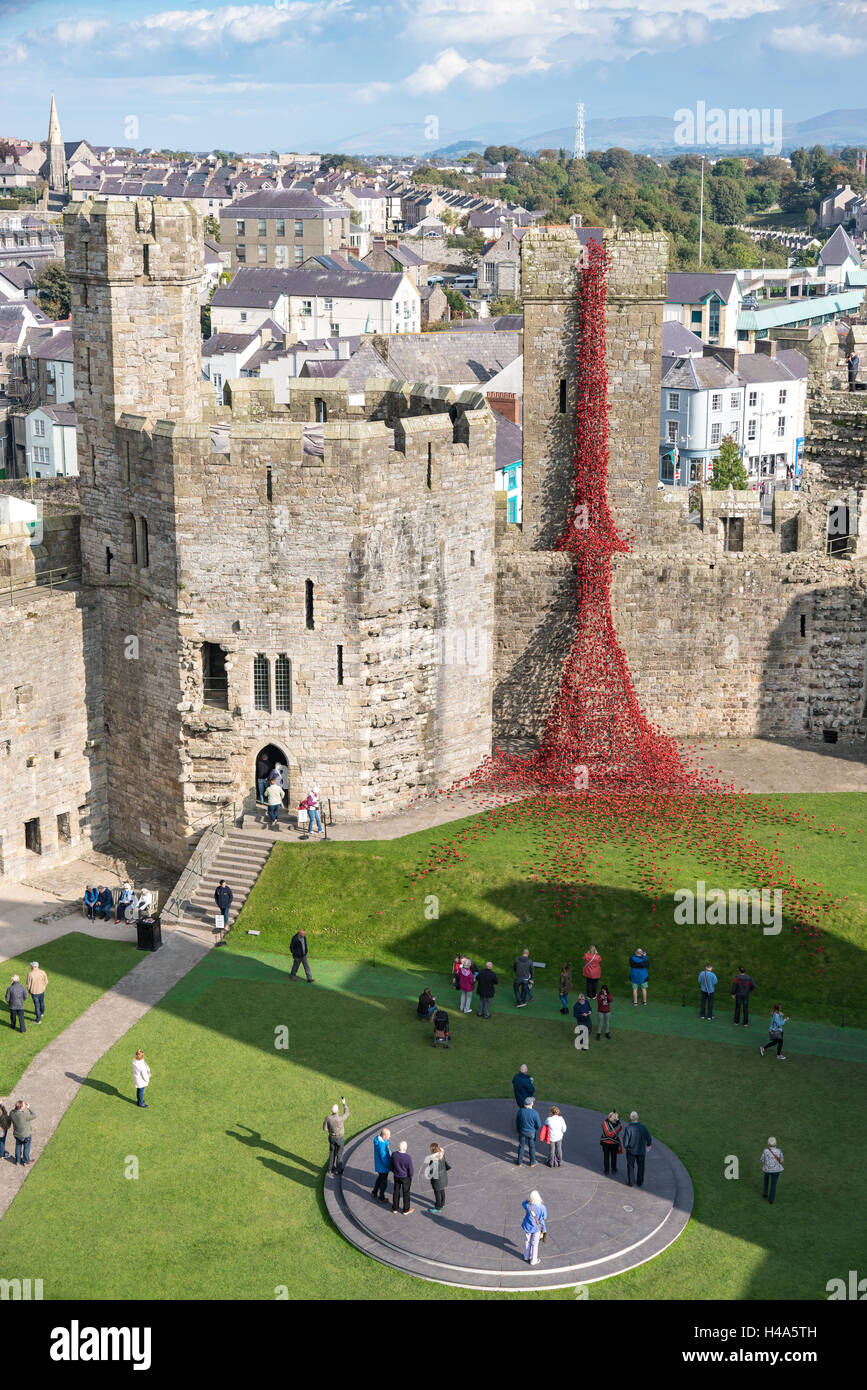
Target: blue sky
(307,74)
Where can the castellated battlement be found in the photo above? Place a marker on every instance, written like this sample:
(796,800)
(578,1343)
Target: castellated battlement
(150,240)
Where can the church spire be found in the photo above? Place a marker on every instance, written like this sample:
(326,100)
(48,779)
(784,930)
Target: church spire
(54,136)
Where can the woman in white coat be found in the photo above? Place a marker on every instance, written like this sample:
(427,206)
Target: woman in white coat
(141,1075)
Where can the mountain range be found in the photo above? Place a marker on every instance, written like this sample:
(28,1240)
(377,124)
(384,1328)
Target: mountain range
(653,135)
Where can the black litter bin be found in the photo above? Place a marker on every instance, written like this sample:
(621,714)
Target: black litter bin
(150,937)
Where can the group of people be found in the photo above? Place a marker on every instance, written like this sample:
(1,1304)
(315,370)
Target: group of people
(16,996)
(634,1139)
(400,1166)
(20,1120)
(99,903)
(743,985)
(272,789)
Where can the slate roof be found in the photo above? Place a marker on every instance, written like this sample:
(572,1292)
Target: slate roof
(510,442)
(691,287)
(218,343)
(60,414)
(261,286)
(838,248)
(756,367)
(450,357)
(285,202)
(677,341)
(700,374)
(58,348)
(316,367)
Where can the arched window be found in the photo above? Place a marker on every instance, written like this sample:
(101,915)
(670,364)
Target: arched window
(283,683)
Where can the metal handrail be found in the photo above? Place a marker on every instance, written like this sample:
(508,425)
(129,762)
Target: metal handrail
(197,868)
(44,580)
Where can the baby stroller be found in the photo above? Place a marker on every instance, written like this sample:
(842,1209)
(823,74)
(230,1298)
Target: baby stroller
(441,1028)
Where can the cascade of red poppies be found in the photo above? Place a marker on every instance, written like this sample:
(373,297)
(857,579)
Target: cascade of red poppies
(602,771)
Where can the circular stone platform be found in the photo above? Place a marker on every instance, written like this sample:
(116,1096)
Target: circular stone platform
(597,1226)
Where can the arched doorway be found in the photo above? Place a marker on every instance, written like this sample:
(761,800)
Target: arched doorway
(266,760)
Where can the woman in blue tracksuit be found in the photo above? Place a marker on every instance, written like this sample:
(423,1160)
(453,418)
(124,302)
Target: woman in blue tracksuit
(775,1033)
(638,972)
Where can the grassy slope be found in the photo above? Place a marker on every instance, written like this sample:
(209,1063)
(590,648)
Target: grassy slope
(79,969)
(228,1198)
(356,899)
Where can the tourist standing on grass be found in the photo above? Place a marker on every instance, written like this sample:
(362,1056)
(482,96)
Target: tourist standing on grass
(528,1123)
(22,1118)
(334,1125)
(583,1013)
(403,1171)
(437,1170)
(298,947)
(772,1167)
(5,1122)
(636,1141)
(523,985)
(556,1129)
(522,1084)
(742,987)
(223,896)
(273,801)
(486,982)
(534,1225)
(610,1142)
(36,983)
(141,1075)
(466,985)
(603,1012)
(639,967)
(565,986)
(707,983)
(426,1004)
(591,971)
(381,1163)
(16,998)
(775,1033)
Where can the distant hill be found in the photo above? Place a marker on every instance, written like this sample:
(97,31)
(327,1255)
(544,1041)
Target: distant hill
(652,135)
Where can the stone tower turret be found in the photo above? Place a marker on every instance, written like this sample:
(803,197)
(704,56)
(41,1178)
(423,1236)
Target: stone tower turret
(56,153)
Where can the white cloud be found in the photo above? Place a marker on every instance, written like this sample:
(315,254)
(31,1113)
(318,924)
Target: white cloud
(436,76)
(812,40)
(200,28)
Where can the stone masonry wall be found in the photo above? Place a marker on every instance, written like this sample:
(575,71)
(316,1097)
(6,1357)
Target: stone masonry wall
(51,737)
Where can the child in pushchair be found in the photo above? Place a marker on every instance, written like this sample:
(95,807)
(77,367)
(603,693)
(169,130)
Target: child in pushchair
(441,1028)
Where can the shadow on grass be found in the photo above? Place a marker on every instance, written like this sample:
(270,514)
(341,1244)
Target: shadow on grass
(254,1140)
(101,1086)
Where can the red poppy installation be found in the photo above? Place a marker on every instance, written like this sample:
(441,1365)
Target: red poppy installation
(602,771)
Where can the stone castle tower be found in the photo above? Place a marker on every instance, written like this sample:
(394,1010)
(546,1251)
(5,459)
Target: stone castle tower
(731,620)
(56,153)
(323,591)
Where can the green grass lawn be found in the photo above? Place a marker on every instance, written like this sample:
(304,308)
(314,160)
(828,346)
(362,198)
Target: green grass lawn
(215,1191)
(357,901)
(79,968)
(229,1157)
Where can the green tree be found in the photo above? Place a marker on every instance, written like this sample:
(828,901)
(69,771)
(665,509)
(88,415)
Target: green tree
(456,302)
(212,227)
(728,468)
(728,200)
(52,291)
(811,217)
(506,304)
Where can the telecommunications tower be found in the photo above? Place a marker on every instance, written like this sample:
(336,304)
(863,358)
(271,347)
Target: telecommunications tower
(578,149)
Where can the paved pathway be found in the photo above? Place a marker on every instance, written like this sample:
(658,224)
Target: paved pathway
(53,1079)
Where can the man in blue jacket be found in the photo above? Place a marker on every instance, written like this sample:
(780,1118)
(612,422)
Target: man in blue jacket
(707,985)
(223,896)
(636,1141)
(522,1084)
(583,1012)
(381,1162)
(528,1124)
(106,904)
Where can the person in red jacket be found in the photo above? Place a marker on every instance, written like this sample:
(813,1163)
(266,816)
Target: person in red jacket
(603,1013)
(592,971)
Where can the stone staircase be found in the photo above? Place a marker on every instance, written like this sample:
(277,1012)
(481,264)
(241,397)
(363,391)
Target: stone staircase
(240,859)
